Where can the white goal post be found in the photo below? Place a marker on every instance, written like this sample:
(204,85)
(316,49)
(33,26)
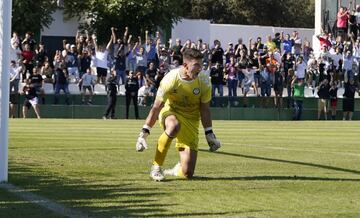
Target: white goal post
(5,35)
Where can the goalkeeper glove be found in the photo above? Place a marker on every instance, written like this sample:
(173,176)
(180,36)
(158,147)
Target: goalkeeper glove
(213,143)
(141,143)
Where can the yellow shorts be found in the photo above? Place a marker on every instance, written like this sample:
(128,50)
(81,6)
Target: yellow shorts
(188,136)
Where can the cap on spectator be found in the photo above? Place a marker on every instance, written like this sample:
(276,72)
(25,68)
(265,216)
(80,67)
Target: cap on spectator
(72,46)
(163,49)
(230,43)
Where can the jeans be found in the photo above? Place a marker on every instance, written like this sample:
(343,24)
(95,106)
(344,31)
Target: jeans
(220,89)
(232,86)
(58,88)
(298,108)
(120,74)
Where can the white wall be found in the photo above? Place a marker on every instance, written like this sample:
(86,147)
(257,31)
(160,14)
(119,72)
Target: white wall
(60,26)
(193,29)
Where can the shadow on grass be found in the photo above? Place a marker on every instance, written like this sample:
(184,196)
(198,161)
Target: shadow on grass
(99,198)
(286,161)
(121,199)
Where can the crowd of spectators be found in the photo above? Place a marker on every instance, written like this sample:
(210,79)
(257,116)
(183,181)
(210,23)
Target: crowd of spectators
(283,63)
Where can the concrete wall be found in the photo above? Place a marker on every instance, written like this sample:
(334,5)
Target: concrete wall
(60,26)
(193,29)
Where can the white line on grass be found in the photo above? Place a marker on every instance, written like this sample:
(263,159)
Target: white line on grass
(41,201)
(292,149)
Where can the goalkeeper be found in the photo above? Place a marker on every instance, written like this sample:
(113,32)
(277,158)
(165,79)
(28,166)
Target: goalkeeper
(182,99)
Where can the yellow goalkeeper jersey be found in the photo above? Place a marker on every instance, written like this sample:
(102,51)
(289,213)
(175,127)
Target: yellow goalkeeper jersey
(184,97)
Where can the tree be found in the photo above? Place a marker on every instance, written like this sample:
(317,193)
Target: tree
(31,15)
(138,15)
(285,13)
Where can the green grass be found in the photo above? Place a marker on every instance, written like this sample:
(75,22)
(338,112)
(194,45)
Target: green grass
(264,169)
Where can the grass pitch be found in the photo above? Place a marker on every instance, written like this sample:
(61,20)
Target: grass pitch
(264,169)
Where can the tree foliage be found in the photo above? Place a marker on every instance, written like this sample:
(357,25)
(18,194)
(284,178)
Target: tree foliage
(31,15)
(285,13)
(138,15)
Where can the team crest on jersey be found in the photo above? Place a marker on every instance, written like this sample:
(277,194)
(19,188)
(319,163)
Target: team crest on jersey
(196,91)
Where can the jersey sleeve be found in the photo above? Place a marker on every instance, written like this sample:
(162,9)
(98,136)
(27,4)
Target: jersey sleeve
(206,88)
(166,84)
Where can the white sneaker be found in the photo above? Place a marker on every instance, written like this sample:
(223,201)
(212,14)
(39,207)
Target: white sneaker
(173,171)
(156,173)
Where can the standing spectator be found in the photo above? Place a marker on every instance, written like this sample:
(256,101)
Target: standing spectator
(333,98)
(150,76)
(307,50)
(300,68)
(255,62)
(270,44)
(85,62)
(230,51)
(120,64)
(231,72)
(37,81)
(47,73)
(240,45)
(290,100)
(312,73)
(57,59)
(14,77)
(357,16)
(176,51)
(61,83)
(347,65)
(296,49)
(299,87)
(249,81)
(348,100)
(29,40)
(265,85)
(140,56)
(81,42)
(131,93)
(242,62)
(324,40)
(206,53)
(15,51)
(151,51)
(324,95)
(101,55)
(342,20)
(217,79)
(28,60)
(40,55)
(164,57)
(217,53)
(259,46)
(278,88)
(31,100)
(277,40)
(112,89)
(71,61)
(87,80)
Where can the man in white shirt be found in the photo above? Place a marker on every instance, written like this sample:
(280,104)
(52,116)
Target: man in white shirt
(300,68)
(101,56)
(14,77)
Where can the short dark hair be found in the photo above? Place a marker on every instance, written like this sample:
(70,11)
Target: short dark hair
(192,53)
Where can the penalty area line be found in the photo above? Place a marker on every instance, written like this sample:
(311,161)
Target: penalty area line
(42,201)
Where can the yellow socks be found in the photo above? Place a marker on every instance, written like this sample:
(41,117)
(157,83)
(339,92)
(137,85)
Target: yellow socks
(163,145)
